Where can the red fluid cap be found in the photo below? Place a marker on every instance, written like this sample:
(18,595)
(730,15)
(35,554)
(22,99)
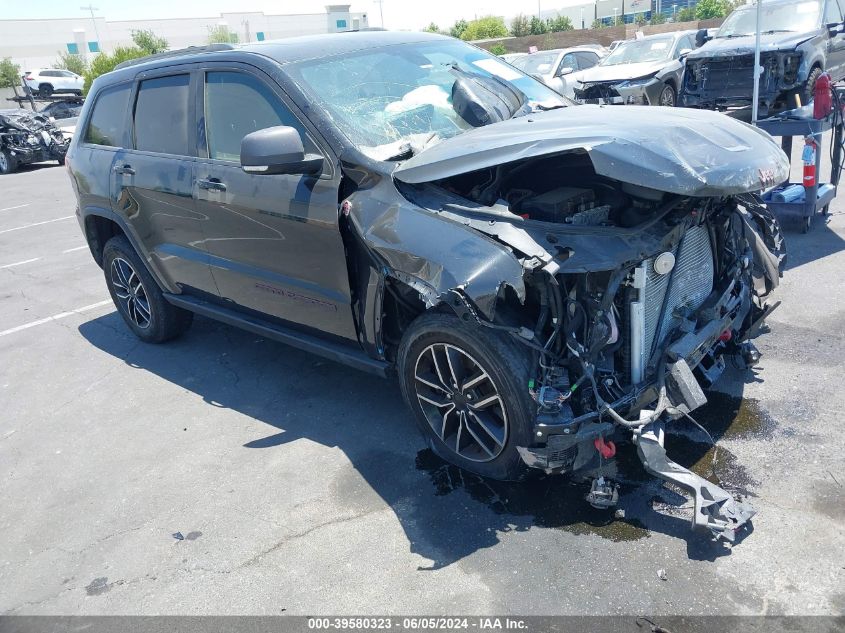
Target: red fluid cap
(605,449)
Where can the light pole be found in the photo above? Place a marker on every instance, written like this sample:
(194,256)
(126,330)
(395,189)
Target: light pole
(582,18)
(380,11)
(539,12)
(92,8)
(615,11)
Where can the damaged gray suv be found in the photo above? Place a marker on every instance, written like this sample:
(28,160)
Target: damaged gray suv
(540,276)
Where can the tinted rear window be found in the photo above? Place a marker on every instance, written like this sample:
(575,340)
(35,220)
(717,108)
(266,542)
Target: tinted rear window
(108,120)
(161,116)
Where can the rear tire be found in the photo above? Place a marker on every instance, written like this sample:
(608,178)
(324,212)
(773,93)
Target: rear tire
(478,424)
(8,163)
(45,90)
(137,296)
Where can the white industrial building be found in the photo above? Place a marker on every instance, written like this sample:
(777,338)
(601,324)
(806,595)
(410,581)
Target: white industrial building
(37,43)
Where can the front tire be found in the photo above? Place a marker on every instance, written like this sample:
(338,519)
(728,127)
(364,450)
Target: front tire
(468,388)
(137,296)
(806,92)
(8,164)
(668,97)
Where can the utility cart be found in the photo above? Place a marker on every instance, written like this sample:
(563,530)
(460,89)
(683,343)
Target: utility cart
(815,198)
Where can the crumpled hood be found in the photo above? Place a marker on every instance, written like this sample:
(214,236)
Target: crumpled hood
(676,150)
(728,46)
(620,72)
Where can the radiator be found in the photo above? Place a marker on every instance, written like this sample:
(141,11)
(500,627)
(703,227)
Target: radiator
(662,297)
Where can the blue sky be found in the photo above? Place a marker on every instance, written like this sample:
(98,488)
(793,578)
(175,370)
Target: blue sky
(398,14)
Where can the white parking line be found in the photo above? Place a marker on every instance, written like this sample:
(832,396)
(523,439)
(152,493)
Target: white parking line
(55,317)
(26,261)
(20,206)
(78,248)
(26,226)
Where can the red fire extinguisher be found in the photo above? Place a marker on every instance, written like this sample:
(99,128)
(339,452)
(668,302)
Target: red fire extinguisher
(822,101)
(808,157)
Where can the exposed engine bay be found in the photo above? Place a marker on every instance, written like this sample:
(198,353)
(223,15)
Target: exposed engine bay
(645,295)
(29,137)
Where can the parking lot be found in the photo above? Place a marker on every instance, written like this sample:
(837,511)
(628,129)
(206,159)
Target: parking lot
(223,473)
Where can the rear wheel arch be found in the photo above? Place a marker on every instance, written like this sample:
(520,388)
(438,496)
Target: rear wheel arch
(99,230)
(101,226)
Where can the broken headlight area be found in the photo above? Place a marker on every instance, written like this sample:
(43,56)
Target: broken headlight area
(643,298)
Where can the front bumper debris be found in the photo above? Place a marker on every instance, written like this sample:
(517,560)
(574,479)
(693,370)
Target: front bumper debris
(621,92)
(714,508)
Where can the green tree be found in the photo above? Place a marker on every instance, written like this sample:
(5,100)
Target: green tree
(597,24)
(706,9)
(73,63)
(458,28)
(498,49)
(484,28)
(537,26)
(559,23)
(10,74)
(640,20)
(105,63)
(221,35)
(685,15)
(149,42)
(520,26)
(657,18)
(432,28)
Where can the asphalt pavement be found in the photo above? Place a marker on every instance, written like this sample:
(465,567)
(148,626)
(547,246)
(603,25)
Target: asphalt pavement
(227,474)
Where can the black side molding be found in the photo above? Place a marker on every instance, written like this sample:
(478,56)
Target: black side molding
(333,351)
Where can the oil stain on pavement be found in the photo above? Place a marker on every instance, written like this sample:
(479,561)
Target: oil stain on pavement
(558,502)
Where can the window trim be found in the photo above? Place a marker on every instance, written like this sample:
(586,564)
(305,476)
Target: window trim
(167,71)
(314,135)
(86,124)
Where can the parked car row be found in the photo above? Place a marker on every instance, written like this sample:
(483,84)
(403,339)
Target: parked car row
(702,69)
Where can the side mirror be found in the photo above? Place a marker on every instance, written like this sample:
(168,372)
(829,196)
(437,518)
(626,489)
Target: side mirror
(835,28)
(567,70)
(701,37)
(684,52)
(278,150)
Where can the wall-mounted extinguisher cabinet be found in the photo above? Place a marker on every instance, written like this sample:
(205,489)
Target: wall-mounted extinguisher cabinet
(803,200)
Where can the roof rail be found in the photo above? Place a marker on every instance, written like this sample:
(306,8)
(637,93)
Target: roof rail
(210,48)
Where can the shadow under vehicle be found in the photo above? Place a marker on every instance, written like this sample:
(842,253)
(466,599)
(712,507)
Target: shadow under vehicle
(539,276)
(798,42)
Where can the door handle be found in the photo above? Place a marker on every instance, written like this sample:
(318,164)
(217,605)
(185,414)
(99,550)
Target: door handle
(211,184)
(124,169)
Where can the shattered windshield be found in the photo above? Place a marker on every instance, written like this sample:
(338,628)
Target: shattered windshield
(537,63)
(798,16)
(636,51)
(394,100)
